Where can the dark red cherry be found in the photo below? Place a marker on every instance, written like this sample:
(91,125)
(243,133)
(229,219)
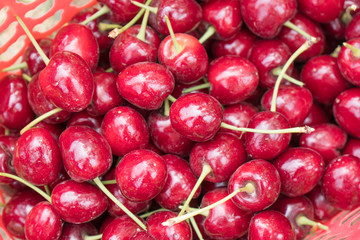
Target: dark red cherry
(78,202)
(316,116)
(352,29)
(348,61)
(6,164)
(327,139)
(40,105)
(232,79)
(106,95)
(43,214)
(225,221)
(16,210)
(294,39)
(121,228)
(8,142)
(86,154)
(181,231)
(267,146)
(300,170)
(77,231)
(320,11)
(224,153)
(293,102)
(184,15)
(125,130)
(265,18)
(85,119)
(271,225)
(122,11)
(238,115)
(141,175)
(352,147)
(323,78)
(323,209)
(346,108)
(196,116)
(341,182)
(67,82)
(143,236)
(267,55)
(78,39)
(335,29)
(37,157)
(145,85)
(266,185)
(128,49)
(32,58)
(188,65)
(166,138)
(15,110)
(179,88)
(179,183)
(240,45)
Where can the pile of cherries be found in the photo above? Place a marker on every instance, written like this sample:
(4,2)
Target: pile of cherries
(184,119)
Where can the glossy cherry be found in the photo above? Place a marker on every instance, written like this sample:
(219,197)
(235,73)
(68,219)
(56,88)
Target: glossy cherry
(125,130)
(320,12)
(122,11)
(352,147)
(83,118)
(6,164)
(348,61)
(77,231)
(122,228)
(32,58)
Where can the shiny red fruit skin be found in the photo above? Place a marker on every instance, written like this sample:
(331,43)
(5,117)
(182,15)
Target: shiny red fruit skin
(321,11)
(77,231)
(122,11)
(352,147)
(349,64)
(121,228)
(6,165)
(32,57)
(85,119)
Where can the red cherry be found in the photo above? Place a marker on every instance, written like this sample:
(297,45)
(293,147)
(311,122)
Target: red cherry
(6,164)
(143,236)
(352,147)
(316,116)
(348,61)
(321,11)
(122,11)
(77,231)
(32,58)
(85,119)
(122,228)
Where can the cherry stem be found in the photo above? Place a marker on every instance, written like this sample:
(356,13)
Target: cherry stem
(7,132)
(304,129)
(104,10)
(39,119)
(196,228)
(108,182)
(190,209)
(209,32)
(2,204)
(141,34)
(347,16)
(336,51)
(145,215)
(249,188)
(26,77)
(33,187)
(115,32)
(302,220)
(300,31)
(15,67)
(166,107)
(95,237)
(109,69)
(145,6)
(177,46)
(306,45)
(276,72)
(197,87)
(205,171)
(107,26)
(355,51)
(33,41)
(171,98)
(117,202)
(47,190)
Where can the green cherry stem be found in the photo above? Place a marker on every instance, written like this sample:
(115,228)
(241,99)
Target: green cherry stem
(276,72)
(33,41)
(26,77)
(196,228)
(346,17)
(166,107)
(39,119)
(94,237)
(47,190)
(145,6)
(15,67)
(171,98)
(141,35)
(190,209)
(197,87)
(304,129)
(117,202)
(300,31)
(177,46)
(209,32)
(36,189)
(107,26)
(102,11)
(355,51)
(302,220)
(108,182)
(145,215)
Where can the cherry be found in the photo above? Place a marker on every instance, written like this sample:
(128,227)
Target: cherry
(6,164)
(43,214)
(352,147)
(106,95)
(240,45)
(33,59)
(143,236)
(300,170)
(270,225)
(125,130)
(122,228)
(265,181)
(265,18)
(37,157)
(86,154)
(267,146)
(196,116)
(323,209)
(129,48)
(15,110)
(78,202)
(294,39)
(141,175)
(181,89)
(78,39)
(16,210)
(85,119)
(323,78)
(335,29)
(352,29)
(77,231)
(320,12)
(179,183)
(340,172)
(8,142)
(225,221)
(122,11)
(346,108)
(327,139)
(181,231)
(348,60)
